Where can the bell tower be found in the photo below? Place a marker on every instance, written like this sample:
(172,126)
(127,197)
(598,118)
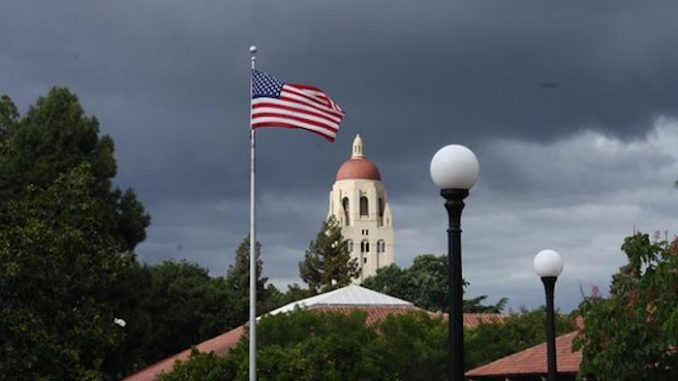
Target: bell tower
(359,202)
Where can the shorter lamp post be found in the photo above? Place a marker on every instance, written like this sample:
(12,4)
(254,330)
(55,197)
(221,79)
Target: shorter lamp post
(455,169)
(548,265)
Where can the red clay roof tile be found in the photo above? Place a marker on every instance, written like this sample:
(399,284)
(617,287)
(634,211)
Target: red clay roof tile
(532,361)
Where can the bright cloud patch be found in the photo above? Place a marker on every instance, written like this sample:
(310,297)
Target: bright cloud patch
(581,196)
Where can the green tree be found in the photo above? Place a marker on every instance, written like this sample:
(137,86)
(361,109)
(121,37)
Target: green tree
(391,280)
(308,345)
(327,263)
(430,282)
(66,241)
(633,334)
(202,366)
(128,298)
(9,115)
(238,281)
(425,284)
(411,347)
(54,137)
(58,282)
(186,306)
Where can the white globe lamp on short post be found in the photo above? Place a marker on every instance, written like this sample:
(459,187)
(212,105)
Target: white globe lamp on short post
(548,265)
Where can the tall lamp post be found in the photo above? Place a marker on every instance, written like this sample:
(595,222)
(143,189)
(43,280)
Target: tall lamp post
(548,265)
(455,169)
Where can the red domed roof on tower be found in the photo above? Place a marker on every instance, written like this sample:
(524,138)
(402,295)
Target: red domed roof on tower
(358,169)
(358,166)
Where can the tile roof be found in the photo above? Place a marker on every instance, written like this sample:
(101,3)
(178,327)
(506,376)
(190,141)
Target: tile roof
(532,361)
(374,313)
(473,320)
(219,345)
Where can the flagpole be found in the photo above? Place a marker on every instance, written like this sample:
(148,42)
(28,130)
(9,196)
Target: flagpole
(253,239)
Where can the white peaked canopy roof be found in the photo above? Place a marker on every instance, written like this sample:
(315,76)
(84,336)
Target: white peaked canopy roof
(351,295)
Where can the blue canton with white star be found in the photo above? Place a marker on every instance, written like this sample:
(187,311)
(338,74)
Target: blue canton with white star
(265,85)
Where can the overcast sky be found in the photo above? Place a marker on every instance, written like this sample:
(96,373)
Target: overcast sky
(571,108)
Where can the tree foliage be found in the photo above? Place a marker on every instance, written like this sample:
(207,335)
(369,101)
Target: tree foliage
(202,366)
(54,137)
(9,115)
(425,284)
(238,281)
(66,239)
(327,263)
(633,334)
(186,306)
(58,282)
(306,345)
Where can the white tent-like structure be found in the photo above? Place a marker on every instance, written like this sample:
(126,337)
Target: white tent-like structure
(349,296)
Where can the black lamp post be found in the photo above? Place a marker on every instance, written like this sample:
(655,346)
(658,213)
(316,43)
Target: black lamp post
(455,170)
(548,265)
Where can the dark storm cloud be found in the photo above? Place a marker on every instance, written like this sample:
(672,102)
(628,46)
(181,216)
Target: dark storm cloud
(521,82)
(461,71)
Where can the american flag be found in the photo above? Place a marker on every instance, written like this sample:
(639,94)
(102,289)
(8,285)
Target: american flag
(279,104)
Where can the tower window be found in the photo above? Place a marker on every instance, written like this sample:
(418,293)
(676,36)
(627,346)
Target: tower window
(381,246)
(344,204)
(364,246)
(349,244)
(380,206)
(363,206)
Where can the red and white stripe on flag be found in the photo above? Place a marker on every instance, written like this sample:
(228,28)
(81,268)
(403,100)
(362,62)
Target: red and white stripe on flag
(298,106)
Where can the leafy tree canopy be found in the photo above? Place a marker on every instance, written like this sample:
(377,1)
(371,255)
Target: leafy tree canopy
(186,306)
(327,263)
(633,334)
(238,279)
(66,236)
(58,283)
(54,137)
(425,284)
(306,345)
(9,116)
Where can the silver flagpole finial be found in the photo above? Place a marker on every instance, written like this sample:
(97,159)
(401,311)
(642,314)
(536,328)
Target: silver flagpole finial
(253,49)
